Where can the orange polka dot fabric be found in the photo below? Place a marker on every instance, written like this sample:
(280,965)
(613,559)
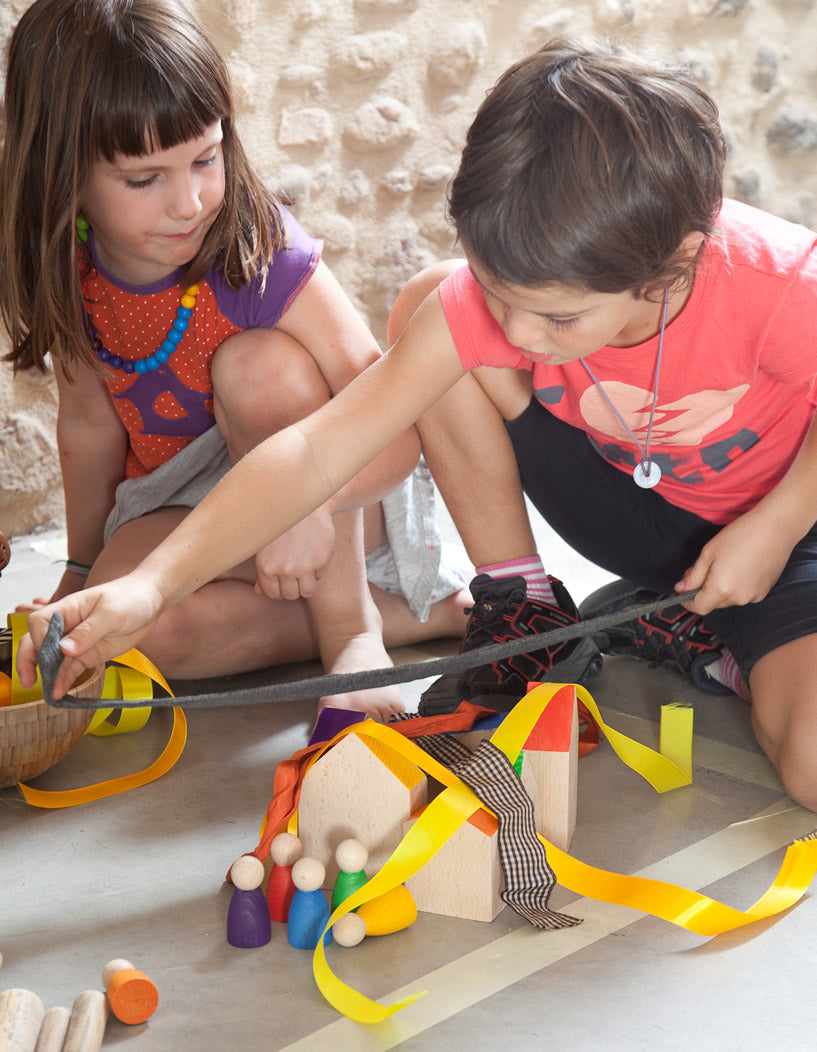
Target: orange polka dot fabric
(164,409)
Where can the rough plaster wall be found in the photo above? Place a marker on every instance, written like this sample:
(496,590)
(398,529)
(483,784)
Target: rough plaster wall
(357,109)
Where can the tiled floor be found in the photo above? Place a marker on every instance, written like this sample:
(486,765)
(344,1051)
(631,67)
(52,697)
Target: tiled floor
(141,876)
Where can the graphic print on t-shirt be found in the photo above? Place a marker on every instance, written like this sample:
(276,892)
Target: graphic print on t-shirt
(684,423)
(187,409)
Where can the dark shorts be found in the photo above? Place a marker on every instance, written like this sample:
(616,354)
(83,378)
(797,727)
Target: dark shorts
(636,534)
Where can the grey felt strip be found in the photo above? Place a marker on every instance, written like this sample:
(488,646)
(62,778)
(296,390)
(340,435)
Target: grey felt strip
(340,683)
(50,656)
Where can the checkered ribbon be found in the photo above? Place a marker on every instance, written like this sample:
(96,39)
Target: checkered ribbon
(490,776)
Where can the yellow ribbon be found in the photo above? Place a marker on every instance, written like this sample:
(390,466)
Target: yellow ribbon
(21,695)
(127,684)
(131,681)
(133,659)
(687,909)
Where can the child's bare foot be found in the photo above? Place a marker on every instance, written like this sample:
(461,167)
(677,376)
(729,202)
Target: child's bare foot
(363,651)
(380,703)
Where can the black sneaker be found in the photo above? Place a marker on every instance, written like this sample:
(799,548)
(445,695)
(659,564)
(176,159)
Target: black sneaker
(673,637)
(502,612)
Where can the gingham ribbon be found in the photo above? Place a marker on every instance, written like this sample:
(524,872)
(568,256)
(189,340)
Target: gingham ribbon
(488,773)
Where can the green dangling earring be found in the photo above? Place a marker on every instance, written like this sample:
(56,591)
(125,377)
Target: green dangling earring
(83,226)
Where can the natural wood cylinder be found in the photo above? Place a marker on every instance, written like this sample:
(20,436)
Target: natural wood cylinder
(21,1013)
(86,1027)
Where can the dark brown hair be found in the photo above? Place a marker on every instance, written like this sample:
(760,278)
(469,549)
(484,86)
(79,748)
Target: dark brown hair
(88,79)
(587,165)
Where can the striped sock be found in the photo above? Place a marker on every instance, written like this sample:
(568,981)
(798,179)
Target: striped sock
(531,568)
(725,671)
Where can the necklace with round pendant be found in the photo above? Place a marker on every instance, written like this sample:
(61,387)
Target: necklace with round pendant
(646,473)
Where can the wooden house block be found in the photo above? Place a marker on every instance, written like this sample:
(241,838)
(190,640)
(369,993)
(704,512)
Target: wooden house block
(464,878)
(476,736)
(549,764)
(550,759)
(358,789)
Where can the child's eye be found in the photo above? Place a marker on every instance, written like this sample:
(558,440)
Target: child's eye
(140,184)
(205,162)
(561,323)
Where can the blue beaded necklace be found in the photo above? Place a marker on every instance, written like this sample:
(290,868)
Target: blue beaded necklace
(175,333)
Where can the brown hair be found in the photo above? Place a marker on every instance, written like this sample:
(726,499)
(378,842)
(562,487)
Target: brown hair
(588,166)
(88,79)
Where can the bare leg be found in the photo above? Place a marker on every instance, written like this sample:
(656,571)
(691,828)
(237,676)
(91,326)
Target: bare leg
(470,455)
(467,447)
(784,715)
(346,622)
(348,625)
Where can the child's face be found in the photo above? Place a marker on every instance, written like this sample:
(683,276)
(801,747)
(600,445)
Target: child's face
(150,213)
(555,324)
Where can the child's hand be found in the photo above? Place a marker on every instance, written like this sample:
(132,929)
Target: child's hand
(100,623)
(739,565)
(291,566)
(69,583)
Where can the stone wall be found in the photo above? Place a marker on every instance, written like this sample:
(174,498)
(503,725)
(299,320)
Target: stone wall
(357,110)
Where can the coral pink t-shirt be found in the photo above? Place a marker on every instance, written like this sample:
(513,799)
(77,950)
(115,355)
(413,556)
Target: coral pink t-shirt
(735,390)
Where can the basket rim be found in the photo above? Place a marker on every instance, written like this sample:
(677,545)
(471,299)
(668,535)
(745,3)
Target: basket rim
(24,755)
(87,678)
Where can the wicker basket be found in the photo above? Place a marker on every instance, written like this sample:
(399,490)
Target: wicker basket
(35,736)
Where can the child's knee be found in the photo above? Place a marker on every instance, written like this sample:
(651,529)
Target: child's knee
(798,773)
(266,375)
(790,744)
(414,292)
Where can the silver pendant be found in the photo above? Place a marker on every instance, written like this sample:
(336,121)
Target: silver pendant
(647,474)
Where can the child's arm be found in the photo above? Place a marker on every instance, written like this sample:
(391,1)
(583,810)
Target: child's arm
(323,320)
(744,560)
(274,486)
(92,445)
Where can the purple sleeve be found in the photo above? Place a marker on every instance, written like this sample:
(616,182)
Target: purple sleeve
(290,270)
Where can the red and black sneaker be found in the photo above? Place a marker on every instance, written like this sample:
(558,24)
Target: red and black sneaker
(502,612)
(673,637)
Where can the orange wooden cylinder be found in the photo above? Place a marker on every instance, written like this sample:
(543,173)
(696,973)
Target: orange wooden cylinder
(132,995)
(390,912)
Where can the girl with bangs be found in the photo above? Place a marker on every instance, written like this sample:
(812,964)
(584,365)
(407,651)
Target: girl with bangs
(187,316)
